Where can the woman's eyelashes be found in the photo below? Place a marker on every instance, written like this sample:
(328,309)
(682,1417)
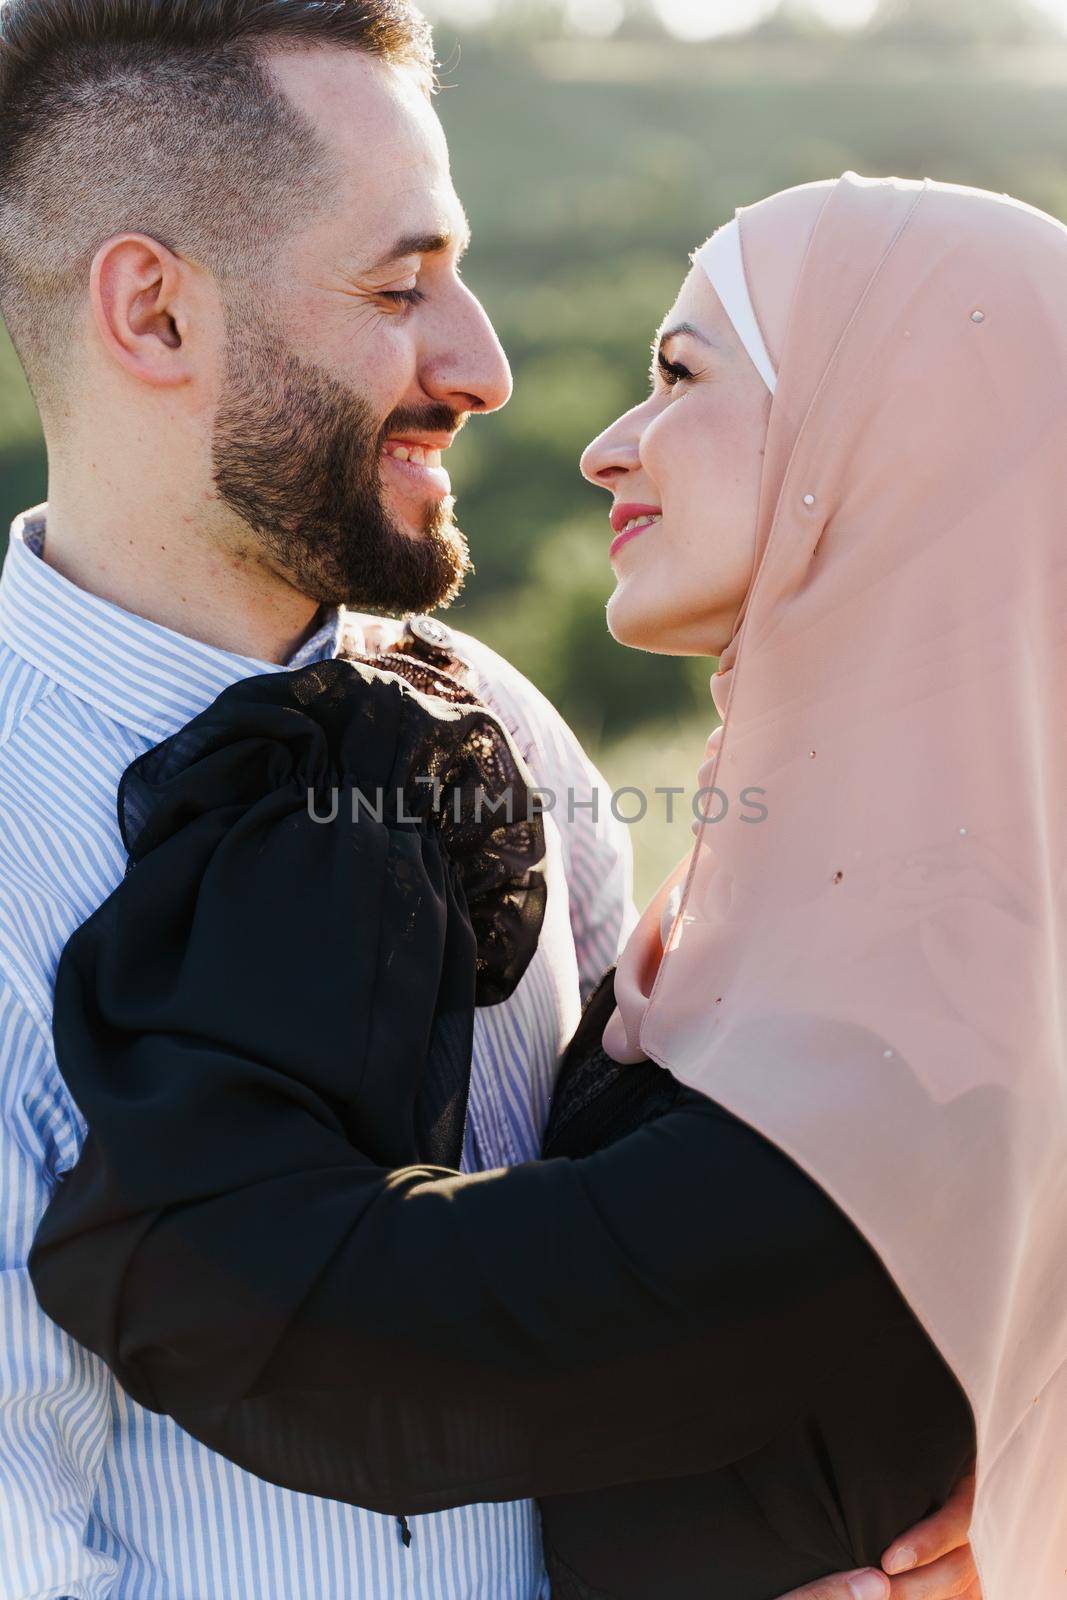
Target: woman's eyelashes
(671,372)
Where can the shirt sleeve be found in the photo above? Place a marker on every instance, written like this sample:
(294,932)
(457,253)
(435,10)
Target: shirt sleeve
(54,1395)
(599,858)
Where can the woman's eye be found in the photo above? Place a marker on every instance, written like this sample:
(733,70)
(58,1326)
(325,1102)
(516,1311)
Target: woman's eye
(402,297)
(671,372)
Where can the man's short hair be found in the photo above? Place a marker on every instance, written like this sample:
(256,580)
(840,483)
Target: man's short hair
(159,117)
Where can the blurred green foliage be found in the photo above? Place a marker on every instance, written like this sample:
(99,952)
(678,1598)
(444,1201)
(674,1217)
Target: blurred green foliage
(590,170)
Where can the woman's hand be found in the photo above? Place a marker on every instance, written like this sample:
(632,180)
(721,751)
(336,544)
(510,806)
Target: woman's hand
(865,1584)
(932,1561)
(943,1563)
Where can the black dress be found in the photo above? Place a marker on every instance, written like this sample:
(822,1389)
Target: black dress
(665,1331)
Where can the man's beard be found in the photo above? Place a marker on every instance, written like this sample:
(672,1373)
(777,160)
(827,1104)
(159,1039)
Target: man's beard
(298,457)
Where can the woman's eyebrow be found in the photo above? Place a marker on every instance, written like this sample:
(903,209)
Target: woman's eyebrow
(693,332)
(686,328)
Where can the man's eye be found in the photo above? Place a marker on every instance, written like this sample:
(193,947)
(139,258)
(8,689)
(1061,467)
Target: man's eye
(402,297)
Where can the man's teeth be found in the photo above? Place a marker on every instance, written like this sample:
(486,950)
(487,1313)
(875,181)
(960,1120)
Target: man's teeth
(641,522)
(415,454)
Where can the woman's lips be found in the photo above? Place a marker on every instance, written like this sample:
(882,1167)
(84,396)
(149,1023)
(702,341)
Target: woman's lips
(629,520)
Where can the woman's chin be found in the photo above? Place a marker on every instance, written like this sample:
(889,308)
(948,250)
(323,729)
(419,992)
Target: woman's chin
(627,622)
(641,622)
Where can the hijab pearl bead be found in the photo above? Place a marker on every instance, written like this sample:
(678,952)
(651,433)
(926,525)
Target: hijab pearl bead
(809,499)
(977,316)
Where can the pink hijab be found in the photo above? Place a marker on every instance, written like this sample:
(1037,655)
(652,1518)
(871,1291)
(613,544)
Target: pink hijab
(875,976)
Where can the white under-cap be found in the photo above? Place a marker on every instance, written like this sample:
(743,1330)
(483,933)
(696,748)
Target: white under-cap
(721,259)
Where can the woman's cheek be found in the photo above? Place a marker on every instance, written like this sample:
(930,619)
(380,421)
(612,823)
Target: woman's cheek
(665,454)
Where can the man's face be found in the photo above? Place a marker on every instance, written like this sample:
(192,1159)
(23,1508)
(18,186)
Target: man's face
(345,379)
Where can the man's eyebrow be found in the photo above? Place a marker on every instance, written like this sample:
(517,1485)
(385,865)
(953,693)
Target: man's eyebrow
(425,244)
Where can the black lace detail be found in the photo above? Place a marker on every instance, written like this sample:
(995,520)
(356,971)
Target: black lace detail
(432,668)
(506,900)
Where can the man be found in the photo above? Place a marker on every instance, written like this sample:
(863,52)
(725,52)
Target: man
(232,278)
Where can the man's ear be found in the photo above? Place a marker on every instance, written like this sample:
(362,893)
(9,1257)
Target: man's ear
(139,292)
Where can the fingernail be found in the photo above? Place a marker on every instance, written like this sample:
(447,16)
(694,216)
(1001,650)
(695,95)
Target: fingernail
(900,1560)
(869,1585)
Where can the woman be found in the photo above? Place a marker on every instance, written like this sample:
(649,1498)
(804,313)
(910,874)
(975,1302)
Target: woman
(681,1299)
(915,342)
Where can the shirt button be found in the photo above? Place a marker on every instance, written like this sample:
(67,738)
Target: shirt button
(431,632)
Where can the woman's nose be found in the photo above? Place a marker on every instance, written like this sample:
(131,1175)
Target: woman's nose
(611,455)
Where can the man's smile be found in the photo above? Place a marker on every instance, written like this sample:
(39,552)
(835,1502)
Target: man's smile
(416,463)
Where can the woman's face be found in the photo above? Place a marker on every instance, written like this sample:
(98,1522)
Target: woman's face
(689,456)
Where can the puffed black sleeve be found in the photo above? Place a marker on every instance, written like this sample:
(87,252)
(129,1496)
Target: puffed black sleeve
(254,1243)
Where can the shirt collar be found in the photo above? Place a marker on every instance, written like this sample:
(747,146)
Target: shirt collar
(145,676)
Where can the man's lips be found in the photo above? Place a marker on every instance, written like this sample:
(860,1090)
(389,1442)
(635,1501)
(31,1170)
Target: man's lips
(415,462)
(628,520)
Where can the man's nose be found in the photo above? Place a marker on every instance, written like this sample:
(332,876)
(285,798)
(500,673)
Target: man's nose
(471,372)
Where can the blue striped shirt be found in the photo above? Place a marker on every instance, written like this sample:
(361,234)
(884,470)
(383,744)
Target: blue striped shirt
(99,1497)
